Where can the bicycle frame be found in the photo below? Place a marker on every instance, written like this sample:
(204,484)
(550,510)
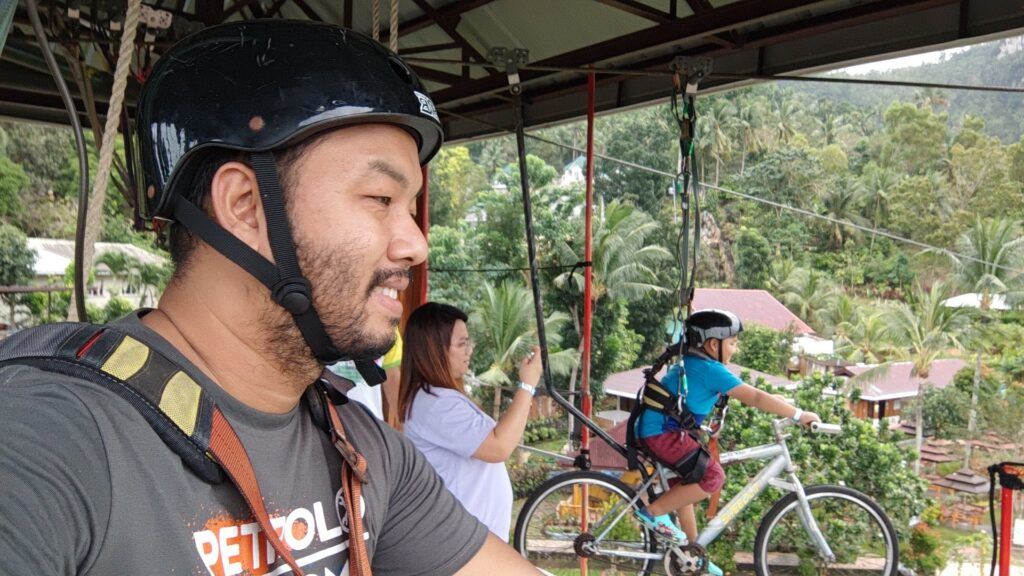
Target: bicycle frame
(779,466)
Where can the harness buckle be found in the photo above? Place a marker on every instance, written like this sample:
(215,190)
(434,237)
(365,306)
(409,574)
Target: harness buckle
(348,453)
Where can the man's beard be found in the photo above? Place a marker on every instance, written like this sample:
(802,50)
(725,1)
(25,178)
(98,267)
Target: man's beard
(341,303)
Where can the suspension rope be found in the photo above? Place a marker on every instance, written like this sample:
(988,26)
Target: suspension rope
(110,130)
(393,27)
(376,20)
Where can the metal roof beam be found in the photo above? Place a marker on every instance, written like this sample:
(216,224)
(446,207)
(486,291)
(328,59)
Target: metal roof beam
(438,75)
(449,25)
(639,9)
(428,19)
(713,22)
(309,12)
(700,6)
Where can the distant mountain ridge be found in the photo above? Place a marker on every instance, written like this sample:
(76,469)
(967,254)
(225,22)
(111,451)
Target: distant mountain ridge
(996,63)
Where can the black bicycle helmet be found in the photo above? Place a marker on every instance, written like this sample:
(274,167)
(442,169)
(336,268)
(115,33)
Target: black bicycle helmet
(258,87)
(704,325)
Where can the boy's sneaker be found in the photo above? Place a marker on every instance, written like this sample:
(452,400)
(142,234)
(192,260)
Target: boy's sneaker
(713,569)
(662,526)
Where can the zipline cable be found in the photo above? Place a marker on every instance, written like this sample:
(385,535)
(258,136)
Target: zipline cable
(780,205)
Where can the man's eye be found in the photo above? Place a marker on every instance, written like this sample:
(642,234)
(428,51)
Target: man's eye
(385,200)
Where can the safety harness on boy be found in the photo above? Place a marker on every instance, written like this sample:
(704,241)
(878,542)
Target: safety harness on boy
(653,395)
(185,417)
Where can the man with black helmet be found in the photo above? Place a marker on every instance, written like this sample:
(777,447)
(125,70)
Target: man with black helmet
(711,341)
(284,160)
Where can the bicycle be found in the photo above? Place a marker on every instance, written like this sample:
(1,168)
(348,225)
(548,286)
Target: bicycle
(581,522)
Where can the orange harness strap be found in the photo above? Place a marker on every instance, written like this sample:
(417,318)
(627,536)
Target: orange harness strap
(713,503)
(228,450)
(230,453)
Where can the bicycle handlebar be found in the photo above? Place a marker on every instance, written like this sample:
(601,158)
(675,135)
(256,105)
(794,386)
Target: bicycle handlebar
(816,427)
(823,428)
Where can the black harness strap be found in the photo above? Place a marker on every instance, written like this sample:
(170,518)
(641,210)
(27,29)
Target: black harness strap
(184,416)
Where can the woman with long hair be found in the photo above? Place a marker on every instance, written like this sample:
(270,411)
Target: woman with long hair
(465,445)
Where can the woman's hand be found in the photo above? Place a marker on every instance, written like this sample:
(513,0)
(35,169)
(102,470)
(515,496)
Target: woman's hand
(530,367)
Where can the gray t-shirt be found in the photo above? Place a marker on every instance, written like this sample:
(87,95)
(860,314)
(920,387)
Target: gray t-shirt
(87,487)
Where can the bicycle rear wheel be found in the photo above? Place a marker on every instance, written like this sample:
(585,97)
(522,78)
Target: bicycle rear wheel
(854,526)
(550,529)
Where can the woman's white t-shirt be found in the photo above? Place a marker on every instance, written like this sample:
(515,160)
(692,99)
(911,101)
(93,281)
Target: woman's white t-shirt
(448,428)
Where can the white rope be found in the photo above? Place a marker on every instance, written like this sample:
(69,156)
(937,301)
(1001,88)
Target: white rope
(107,148)
(376,20)
(393,27)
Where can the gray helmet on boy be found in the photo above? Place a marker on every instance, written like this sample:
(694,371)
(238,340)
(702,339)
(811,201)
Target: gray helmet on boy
(704,325)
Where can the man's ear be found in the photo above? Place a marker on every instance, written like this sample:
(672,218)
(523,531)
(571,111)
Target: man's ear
(235,205)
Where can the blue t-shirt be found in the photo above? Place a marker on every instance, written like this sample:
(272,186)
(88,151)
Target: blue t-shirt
(706,380)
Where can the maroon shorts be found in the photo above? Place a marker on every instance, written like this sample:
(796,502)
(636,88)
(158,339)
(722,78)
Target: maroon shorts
(674,446)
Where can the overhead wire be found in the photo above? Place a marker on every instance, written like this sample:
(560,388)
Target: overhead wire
(779,205)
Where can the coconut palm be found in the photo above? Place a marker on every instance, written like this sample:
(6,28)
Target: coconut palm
(624,262)
(841,202)
(120,263)
(785,119)
(866,340)
(876,182)
(748,123)
(993,259)
(924,329)
(714,138)
(504,325)
(152,278)
(808,293)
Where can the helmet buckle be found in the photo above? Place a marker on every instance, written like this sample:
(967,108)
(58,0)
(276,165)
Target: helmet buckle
(293,295)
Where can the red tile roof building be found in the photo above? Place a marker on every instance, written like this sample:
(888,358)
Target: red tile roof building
(752,306)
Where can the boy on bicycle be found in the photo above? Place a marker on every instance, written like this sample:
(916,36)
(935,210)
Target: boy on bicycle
(711,339)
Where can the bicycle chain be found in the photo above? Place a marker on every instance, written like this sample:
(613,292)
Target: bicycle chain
(683,560)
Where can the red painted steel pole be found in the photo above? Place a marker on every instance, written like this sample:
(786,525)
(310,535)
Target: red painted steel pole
(1005,532)
(588,254)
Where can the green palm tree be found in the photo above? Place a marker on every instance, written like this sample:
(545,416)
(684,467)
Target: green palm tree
(713,131)
(119,263)
(876,182)
(624,262)
(844,313)
(748,123)
(866,340)
(808,293)
(153,278)
(841,202)
(504,325)
(994,265)
(924,329)
(785,119)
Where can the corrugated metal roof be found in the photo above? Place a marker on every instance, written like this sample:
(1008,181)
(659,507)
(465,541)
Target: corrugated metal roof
(752,306)
(53,256)
(898,382)
(635,40)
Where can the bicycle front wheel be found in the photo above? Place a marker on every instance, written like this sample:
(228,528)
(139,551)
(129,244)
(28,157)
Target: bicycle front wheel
(859,534)
(581,523)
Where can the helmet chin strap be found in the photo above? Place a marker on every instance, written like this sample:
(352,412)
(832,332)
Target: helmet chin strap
(288,287)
